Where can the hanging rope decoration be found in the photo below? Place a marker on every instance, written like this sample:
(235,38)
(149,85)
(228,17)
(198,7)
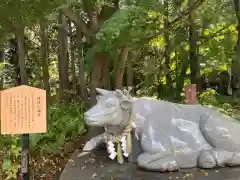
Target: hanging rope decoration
(123,141)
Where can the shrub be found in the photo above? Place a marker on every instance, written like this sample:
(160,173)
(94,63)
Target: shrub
(211,98)
(208,98)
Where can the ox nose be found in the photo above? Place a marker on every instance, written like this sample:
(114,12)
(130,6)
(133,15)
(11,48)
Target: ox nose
(94,111)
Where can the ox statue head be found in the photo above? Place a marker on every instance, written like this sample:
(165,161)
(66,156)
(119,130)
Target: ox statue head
(112,108)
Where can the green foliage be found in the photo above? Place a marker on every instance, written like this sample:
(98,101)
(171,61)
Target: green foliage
(125,27)
(64,122)
(228,109)
(208,97)
(211,99)
(11,151)
(6,74)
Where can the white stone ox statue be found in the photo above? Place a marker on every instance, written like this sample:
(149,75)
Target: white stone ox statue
(172,136)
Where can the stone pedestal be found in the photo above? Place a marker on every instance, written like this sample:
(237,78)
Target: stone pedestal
(97,166)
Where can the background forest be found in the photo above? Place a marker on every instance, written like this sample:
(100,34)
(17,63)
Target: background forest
(70,47)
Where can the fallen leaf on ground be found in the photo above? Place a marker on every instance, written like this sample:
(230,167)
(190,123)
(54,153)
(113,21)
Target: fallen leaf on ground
(94,175)
(205,174)
(187,175)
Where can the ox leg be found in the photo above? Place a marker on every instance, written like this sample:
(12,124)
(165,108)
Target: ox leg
(94,142)
(187,159)
(157,162)
(218,158)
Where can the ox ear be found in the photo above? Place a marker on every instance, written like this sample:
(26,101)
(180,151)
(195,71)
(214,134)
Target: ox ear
(118,93)
(102,91)
(126,104)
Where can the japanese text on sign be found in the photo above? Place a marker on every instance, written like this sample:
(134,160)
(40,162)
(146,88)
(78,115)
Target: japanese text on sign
(23,110)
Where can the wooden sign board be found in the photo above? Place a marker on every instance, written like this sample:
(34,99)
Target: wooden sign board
(191,94)
(23,110)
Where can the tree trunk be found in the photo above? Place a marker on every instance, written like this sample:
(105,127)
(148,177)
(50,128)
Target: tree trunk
(99,71)
(167,45)
(181,75)
(99,78)
(120,66)
(63,56)
(130,70)
(83,88)
(44,56)
(1,61)
(99,75)
(236,60)
(193,56)
(21,54)
(73,58)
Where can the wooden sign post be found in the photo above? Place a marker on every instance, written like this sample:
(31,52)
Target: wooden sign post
(23,111)
(191,94)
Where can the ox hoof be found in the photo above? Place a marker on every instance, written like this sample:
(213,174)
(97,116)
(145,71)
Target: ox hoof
(89,146)
(206,160)
(155,162)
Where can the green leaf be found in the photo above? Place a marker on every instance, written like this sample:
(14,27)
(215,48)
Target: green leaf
(34,139)
(63,6)
(52,17)
(7,164)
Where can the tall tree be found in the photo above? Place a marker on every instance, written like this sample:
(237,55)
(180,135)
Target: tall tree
(193,38)
(1,63)
(130,60)
(120,67)
(236,60)
(167,43)
(96,17)
(44,55)
(73,57)
(63,56)
(21,52)
(82,83)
